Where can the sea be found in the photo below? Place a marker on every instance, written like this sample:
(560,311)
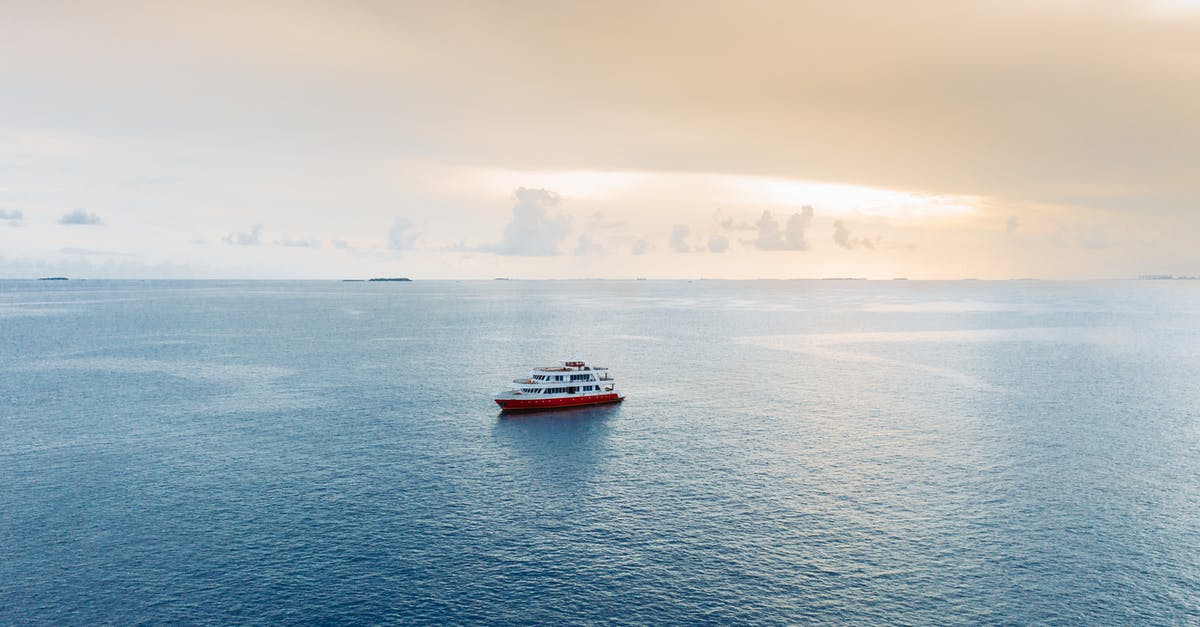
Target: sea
(828,452)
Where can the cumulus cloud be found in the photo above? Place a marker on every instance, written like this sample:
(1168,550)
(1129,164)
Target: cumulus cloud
(304,242)
(642,246)
(11,214)
(843,238)
(402,236)
(341,244)
(679,234)
(533,231)
(727,222)
(718,244)
(841,235)
(585,246)
(79,216)
(253,237)
(770,237)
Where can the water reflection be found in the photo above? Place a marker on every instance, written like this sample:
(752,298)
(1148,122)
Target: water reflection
(569,444)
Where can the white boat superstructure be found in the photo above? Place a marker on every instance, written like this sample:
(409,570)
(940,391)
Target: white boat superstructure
(572,383)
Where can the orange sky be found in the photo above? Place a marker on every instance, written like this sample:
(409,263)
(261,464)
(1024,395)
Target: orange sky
(926,139)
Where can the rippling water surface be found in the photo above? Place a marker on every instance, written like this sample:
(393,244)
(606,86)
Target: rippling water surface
(851,452)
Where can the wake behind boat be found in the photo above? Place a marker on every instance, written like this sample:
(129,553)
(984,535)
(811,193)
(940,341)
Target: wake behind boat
(572,384)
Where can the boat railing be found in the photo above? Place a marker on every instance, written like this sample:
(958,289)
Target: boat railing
(562,383)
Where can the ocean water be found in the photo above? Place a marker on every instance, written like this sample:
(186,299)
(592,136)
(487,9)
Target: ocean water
(790,451)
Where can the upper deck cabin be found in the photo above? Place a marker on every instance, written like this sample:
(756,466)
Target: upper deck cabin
(567,366)
(571,371)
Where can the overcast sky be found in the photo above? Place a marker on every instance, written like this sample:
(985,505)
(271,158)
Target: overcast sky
(928,139)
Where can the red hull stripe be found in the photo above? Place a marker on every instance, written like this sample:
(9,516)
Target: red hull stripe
(550,403)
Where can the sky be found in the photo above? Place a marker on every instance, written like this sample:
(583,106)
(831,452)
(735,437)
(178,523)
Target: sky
(470,140)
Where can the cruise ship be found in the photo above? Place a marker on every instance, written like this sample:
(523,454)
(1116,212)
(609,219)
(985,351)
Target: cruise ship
(572,384)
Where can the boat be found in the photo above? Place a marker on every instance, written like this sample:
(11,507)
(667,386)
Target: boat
(571,384)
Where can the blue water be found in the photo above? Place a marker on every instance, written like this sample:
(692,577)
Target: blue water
(826,451)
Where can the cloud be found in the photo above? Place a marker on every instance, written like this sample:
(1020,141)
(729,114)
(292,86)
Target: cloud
(92,252)
(1059,238)
(11,214)
(306,242)
(727,223)
(718,244)
(79,216)
(842,237)
(599,220)
(253,237)
(586,246)
(1094,236)
(533,231)
(402,236)
(642,246)
(679,235)
(1075,111)
(1011,224)
(792,238)
(342,244)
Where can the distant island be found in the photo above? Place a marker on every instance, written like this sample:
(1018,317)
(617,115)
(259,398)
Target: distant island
(54,278)
(1167,277)
(401,278)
